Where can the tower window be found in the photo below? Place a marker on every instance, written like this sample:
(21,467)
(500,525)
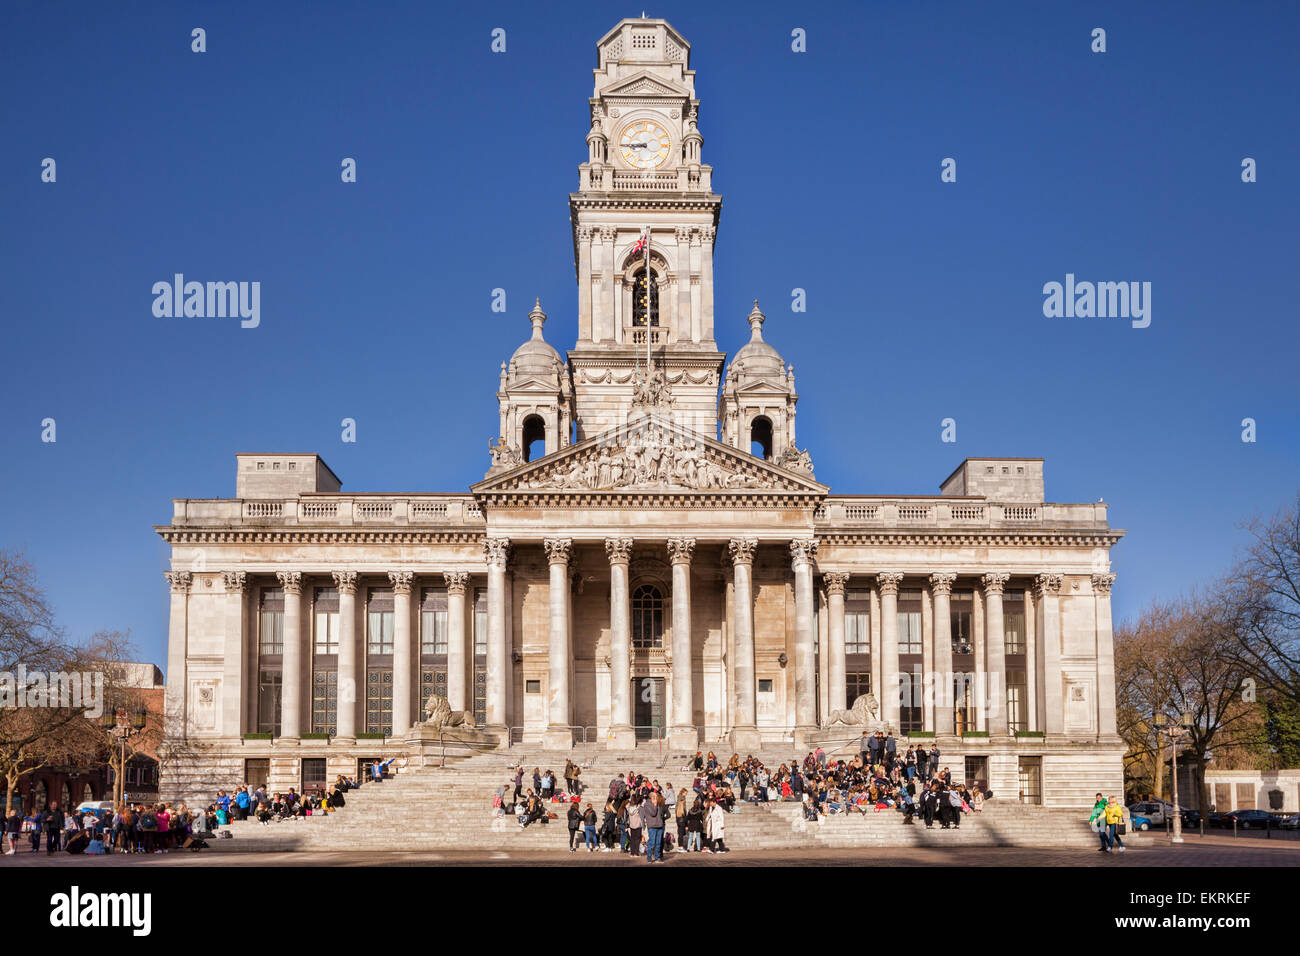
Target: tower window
(647,617)
(760,438)
(534,438)
(644,302)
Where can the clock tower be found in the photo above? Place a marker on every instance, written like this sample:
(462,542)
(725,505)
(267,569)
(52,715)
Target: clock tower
(639,306)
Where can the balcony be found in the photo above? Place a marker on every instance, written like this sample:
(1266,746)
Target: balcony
(329,511)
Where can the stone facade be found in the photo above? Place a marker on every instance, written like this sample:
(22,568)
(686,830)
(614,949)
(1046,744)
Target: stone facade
(649,553)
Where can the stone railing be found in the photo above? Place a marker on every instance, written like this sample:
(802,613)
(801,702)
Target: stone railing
(636,334)
(329,510)
(940,512)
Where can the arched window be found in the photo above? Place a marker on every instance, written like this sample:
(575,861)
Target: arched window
(647,617)
(644,302)
(760,438)
(534,438)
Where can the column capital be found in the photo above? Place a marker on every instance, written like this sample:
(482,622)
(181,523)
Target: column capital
(401,581)
(456,581)
(496,550)
(619,550)
(803,550)
(291,581)
(235,581)
(995,581)
(1101,582)
(345,581)
(941,582)
(558,550)
(742,550)
(680,550)
(836,581)
(889,581)
(179,581)
(1048,585)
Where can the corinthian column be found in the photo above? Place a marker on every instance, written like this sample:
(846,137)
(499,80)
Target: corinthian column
(401,581)
(995,664)
(458,657)
(1101,583)
(346,581)
(889,689)
(291,662)
(836,669)
(682,735)
(177,693)
(941,586)
(619,551)
(1047,593)
(744,734)
(497,552)
(559,734)
(802,552)
(235,655)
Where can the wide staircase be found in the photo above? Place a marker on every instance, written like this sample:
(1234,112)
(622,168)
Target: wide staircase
(451,809)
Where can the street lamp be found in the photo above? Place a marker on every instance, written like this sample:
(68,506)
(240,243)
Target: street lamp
(123,727)
(1175,731)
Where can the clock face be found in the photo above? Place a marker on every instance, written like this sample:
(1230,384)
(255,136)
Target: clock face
(645,145)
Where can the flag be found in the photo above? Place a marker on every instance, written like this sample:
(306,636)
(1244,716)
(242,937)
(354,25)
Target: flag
(641,243)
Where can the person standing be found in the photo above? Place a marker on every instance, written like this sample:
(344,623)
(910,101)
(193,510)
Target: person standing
(864,747)
(13,826)
(1097,821)
(53,819)
(635,825)
(589,827)
(891,751)
(575,824)
(519,781)
(874,746)
(934,758)
(680,811)
(922,764)
(717,823)
(1114,819)
(653,817)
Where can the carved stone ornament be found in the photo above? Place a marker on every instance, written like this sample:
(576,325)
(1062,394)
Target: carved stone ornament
(653,390)
(796,460)
(650,457)
(742,550)
(504,455)
(836,582)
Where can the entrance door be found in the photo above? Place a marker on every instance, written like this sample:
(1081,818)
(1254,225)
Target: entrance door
(649,707)
(977,772)
(1031,780)
(256,771)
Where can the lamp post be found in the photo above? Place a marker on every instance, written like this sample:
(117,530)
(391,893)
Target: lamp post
(122,727)
(1175,732)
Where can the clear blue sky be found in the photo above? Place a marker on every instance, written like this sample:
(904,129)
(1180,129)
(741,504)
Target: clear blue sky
(924,298)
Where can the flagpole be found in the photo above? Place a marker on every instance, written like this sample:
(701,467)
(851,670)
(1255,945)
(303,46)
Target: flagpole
(647,303)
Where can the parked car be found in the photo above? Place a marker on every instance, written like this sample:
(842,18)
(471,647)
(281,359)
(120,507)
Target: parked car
(1217,820)
(1191,818)
(1247,819)
(1155,812)
(1291,823)
(1138,822)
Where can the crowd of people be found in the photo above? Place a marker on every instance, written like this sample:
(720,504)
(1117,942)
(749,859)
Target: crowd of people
(266,807)
(131,828)
(642,817)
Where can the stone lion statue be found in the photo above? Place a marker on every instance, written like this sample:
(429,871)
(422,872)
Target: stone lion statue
(864,709)
(438,714)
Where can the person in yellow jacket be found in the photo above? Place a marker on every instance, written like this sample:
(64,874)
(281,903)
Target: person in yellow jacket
(1114,817)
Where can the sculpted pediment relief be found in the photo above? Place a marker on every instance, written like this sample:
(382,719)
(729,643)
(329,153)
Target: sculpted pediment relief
(652,455)
(643,84)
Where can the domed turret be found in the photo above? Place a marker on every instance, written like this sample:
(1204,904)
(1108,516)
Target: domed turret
(758,399)
(756,357)
(535,357)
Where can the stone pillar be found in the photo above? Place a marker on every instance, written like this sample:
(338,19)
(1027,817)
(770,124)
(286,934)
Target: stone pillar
(497,552)
(681,729)
(706,283)
(889,696)
(291,661)
(402,653)
(1106,723)
(836,671)
(177,693)
(458,656)
(346,582)
(513,713)
(1047,595)
(559,733)
(234,656)
(1034,722)
(744,734)
(619,551)
(603,325)
(995,666)
(941,584)
(585,333)
(682,333)
(802,552)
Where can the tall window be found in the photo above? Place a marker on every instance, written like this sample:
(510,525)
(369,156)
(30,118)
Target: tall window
(1016,699)
(857,623)
(909,622)
(379,661)
(857,684)
(433,645)
(270,647)
(647,617)
(480,656)
(962,605)
(327,620)
(325,662)
(1013,621)
(645,301)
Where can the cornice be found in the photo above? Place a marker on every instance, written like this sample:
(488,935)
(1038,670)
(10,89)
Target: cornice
(262,535)
(619,500)
(924,536)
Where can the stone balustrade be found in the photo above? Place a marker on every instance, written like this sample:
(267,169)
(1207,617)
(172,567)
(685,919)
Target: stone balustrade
(941,512)
(330,511)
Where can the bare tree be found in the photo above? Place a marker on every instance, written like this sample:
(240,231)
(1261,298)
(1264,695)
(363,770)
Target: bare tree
(1265,595)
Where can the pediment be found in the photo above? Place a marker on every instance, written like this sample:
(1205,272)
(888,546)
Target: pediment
(757,386)
(650,456)
(644,84)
